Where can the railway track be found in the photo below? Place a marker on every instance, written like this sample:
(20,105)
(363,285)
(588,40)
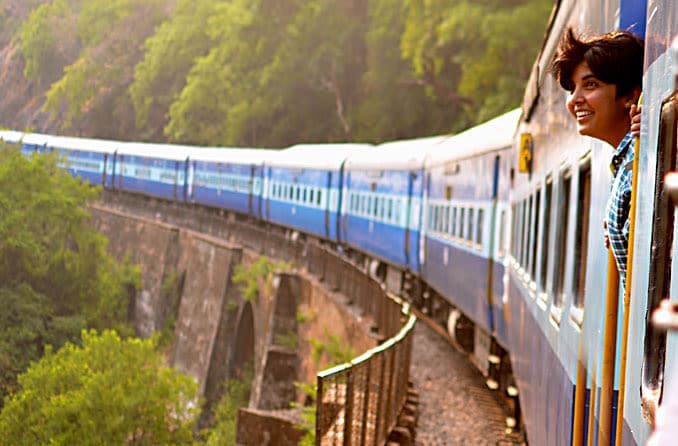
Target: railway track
(455,405)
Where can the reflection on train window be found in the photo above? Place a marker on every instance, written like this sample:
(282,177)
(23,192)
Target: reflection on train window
(479,230)
(545,235)
(534,230)
(469,231)
(582,230)
(319,197)
(453,222)
(561,238)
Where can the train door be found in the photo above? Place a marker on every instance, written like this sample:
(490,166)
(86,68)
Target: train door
(121,166)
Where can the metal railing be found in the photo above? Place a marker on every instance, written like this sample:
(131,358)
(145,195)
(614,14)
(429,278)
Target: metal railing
(358,403)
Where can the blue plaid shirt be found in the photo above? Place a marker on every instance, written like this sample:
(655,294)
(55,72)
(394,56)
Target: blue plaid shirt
(619,203)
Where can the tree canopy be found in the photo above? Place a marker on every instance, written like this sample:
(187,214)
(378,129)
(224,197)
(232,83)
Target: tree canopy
(274,73)
(56,275)
(107,391)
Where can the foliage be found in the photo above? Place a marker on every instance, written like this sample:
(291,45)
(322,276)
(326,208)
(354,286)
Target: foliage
(307,413)
(334,350)
(56,275)
(289,340)
(224,427)
(169,55)
(476,54)
(249,278)
(170,293)
(271,73)
(92,93)
(109,391)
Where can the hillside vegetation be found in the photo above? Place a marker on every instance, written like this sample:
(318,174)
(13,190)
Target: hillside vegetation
(263,73)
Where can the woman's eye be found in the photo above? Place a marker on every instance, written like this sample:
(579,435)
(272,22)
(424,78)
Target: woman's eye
(591,84)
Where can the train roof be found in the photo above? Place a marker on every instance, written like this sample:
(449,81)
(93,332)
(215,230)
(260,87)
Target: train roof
(11,136)
(495,134)
(232,155)
(26,138)
(84,144)
(152,150)
(396,155)
(317,156)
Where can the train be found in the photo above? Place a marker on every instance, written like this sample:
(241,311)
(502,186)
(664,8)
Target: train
(495,233)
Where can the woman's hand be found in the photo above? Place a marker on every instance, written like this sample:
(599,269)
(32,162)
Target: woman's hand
(634,113)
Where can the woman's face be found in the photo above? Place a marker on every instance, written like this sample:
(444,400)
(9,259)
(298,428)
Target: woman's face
(596,108)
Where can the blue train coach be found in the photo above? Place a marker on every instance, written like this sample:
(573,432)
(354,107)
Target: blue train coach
(303,187)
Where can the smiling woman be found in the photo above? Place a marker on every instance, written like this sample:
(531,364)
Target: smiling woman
(603,78)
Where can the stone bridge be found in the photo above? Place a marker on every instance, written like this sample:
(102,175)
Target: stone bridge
(188,256)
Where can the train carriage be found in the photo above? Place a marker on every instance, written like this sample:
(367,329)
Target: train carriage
(229,178)
(466,220)
(303,187)
(384,191)
(159,170)
(89,159)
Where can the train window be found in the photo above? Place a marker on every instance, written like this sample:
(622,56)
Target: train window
(453,222)
(660,256)
(376,206)
(581,232)
(534,231)
(479,230)
(436,218)
(310,198)
(462,223)
(521,233)
(398,205)
(298,190)
(305,195)
(514,225)
(561,239)
(389,209)
(527,215)
(502,233)
(446,219)
(469,228)
(545,234)
(319,197)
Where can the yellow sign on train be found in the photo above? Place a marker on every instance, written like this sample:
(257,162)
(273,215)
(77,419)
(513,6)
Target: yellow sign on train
(525,158)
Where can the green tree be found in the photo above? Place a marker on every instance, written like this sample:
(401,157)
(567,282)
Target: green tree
(56,275)
(395,103)
(475,54)
(169,55)
(92,95)
(109,391)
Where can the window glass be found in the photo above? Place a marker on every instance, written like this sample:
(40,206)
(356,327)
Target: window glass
(479,229)
(527,227)
(453,222)
(446,219)
(535,230)
(502,233)
(546,230)
(582,230)
(561,238)
(470,228)
(462,223)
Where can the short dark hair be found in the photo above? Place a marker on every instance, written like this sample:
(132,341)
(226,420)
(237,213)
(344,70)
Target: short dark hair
(614,58)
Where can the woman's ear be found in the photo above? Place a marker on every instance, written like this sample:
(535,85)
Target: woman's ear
(632,98)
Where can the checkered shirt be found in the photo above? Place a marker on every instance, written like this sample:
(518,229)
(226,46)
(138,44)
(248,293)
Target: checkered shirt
(619,203)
